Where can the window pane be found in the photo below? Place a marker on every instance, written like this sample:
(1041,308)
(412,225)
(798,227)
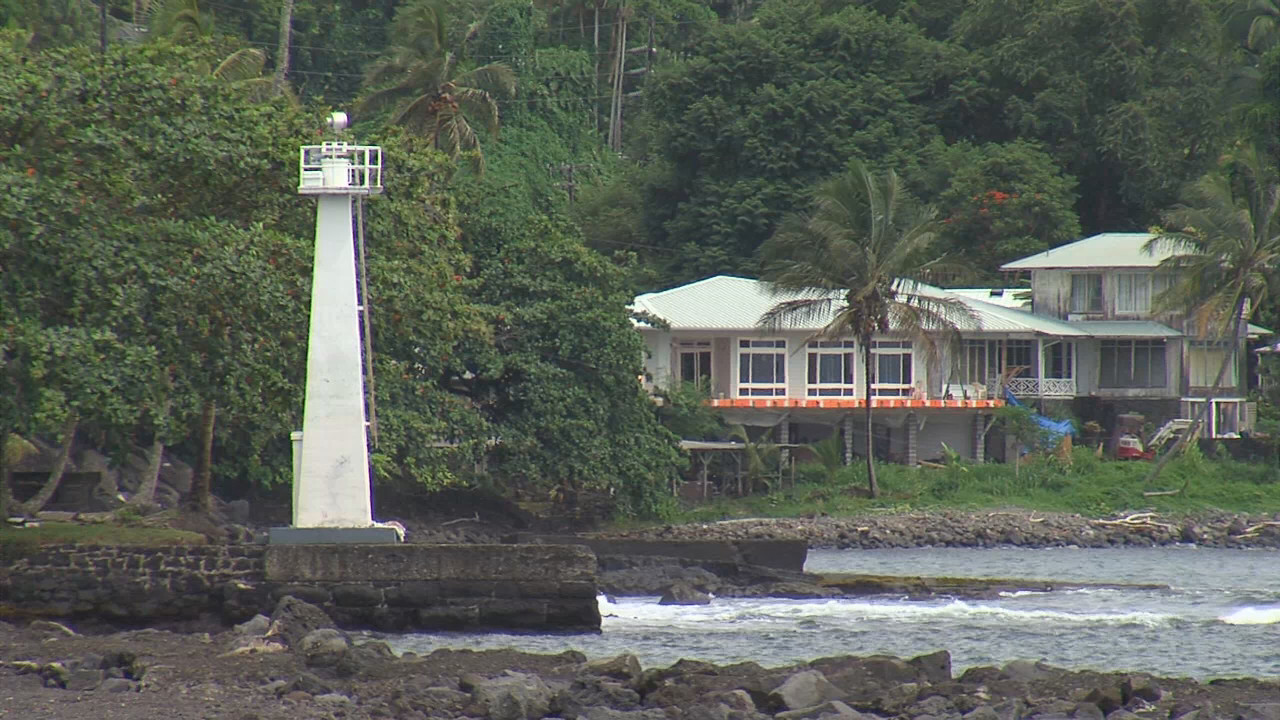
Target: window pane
(704,366)
(888,369)
(761,368)
(906,368)
(744,368)
(829,368)
(1086,292)
(687,367)
(813,368)
(848,368)
(780,368)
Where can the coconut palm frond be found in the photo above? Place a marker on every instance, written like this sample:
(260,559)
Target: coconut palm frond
(495,78)
(480,105)
(797,313)
(388,98)
(418,116)
(243,64)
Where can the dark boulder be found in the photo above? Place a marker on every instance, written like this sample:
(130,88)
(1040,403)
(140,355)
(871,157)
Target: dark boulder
(682,593)
(294,619)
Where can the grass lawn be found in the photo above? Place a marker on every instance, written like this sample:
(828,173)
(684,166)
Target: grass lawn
(1086,484)
(55,533)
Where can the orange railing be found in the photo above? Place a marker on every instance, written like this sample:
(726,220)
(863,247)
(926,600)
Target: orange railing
(823,403)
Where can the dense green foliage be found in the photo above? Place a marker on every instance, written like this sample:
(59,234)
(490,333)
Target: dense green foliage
(154,254)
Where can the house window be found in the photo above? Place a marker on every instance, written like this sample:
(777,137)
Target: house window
(1018,354)
(1206,360)
(695,363)
(1160,282)
(1133,293)
(891,368)
(1086,293)
(830,371)
(1132,364)
(976,362)
(1058,359)
(762,367)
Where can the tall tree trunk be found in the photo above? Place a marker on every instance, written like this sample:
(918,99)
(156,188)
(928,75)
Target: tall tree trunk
(146,494)
(596,99)
(6,492)
(1190,434)
(37,503)
(282,48)
(872,487)
(202,481)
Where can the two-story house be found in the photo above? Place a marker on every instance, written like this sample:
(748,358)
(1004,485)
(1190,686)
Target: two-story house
(807,388)
(1134,359)
(1087,338)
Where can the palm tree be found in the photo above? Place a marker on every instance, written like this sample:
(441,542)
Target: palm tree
(857,256)
(421,80)
(1256,23)
(1225,240)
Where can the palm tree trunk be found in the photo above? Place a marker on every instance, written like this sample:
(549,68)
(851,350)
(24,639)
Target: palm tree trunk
(282,49)
(1190,434)
(872,487)
(37,503)
(201,483)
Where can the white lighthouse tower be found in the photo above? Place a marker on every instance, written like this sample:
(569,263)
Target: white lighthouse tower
(331,492)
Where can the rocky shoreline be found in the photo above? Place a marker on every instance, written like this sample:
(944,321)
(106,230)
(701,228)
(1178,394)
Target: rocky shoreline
(984,529)
(297,665)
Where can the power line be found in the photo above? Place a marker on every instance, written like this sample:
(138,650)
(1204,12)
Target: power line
(387,26)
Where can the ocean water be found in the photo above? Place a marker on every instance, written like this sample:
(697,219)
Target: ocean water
(1220,616)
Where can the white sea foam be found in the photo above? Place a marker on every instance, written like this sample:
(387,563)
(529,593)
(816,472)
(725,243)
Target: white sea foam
(736,613)
(1252,616)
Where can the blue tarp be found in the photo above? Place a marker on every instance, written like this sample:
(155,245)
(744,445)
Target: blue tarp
(1055,428)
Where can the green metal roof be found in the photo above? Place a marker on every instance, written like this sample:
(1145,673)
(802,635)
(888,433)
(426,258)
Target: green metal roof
(1107,250)
(1126,329)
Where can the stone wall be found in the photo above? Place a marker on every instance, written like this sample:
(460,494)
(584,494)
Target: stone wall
(383,587)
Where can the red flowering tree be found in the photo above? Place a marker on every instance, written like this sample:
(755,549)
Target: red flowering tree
(1003,202)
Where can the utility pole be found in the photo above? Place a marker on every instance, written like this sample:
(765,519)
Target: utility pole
(566,171)
(102,26)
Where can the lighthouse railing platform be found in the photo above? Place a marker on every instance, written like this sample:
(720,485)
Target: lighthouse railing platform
(337,168)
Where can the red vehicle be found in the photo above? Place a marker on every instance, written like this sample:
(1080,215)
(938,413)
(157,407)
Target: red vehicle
(1129,447)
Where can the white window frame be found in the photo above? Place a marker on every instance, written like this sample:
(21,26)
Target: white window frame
(1082,299)
(846,351)
(1214,420)
(749,347)
(901,348)
(1134,291)
(697,348)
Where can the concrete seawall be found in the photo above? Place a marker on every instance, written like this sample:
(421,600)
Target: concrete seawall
(786,555)
(380,587)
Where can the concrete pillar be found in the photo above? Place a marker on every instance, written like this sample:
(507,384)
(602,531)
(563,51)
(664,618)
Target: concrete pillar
(979,453)
(333,483)
(784,437)
(848,439)
(912,426)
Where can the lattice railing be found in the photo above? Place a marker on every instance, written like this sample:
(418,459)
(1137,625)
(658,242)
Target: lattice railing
(1035,387)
